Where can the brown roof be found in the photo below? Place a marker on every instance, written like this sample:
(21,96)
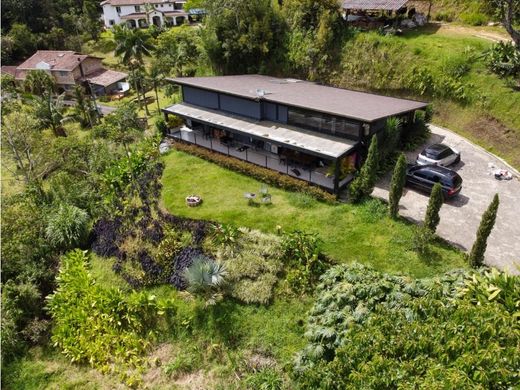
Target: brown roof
(57,60)
(134,15)
(374,4)
(105,77)
(139,2)
(9,70)
(351,104)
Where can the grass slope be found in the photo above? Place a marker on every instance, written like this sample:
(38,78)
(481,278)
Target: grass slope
(363,233)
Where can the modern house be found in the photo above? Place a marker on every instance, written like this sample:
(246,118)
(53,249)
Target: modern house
(143,13)
(303,129)
(70,69)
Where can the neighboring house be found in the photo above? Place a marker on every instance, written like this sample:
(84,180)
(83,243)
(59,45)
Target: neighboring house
(143,13)
(70,69)
(296,127)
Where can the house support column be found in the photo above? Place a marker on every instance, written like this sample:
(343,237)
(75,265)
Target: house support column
(337,172)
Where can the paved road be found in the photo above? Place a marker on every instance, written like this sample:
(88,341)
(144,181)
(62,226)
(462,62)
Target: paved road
(461,216)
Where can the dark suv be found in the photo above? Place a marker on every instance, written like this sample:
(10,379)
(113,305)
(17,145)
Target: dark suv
(424,177)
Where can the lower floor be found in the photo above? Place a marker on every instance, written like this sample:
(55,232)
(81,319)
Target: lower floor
(316,170)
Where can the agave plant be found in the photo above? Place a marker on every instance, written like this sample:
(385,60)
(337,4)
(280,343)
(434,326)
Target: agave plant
(205,278)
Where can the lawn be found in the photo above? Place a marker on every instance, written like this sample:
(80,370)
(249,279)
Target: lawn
(349,232)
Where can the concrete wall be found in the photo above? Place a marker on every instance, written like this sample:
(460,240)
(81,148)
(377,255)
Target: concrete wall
(110,11)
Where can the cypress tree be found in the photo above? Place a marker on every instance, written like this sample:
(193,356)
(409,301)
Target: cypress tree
(476,256)
(432,219)
(364,184)
(397,185)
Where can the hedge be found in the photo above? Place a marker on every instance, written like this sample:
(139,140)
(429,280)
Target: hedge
(273,178)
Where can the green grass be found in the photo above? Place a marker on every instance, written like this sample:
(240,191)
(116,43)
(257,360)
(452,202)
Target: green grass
(350,232)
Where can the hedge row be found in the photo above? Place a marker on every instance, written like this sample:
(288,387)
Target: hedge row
(265,175)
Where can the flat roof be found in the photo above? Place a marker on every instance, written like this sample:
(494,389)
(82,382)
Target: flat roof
(393,5)
(281,134)
(361,106)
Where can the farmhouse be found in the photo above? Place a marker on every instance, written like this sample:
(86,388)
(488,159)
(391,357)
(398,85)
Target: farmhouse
(70,69)
(144,13)
(300,128)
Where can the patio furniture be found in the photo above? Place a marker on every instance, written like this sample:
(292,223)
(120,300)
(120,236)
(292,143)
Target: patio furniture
(250,196)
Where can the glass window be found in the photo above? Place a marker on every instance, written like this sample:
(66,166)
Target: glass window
(137,8)
(111,22)
(323,123)
(118,10)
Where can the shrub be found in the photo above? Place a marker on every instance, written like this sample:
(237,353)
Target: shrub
(474,18)
(102,327)
(302,252)
(443,16)
(252,262)
(421,342)
(422,237)
(347,296)
(504,59)
(417,132)
(265,175)
(397,185)
(432,218)
(67,226)
(476,256)
(205,278)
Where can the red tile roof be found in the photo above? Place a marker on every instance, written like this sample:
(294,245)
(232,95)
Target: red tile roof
(140,2)
(56,60)
(9,70)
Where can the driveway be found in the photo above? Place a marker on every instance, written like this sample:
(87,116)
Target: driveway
(461,216)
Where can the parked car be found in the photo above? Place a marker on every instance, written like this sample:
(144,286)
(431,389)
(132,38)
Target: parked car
(423,177)
(438,154)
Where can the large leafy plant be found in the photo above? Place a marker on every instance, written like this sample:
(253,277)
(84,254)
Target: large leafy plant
(102,327)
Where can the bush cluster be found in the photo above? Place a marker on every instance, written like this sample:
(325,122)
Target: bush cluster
(252,261)
(265,175)
(418,341)
(102,327)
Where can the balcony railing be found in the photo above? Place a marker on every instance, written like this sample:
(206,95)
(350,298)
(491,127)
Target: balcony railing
(248,152)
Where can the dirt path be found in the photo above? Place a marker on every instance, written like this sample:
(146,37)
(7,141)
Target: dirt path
(460,217)
(480,32)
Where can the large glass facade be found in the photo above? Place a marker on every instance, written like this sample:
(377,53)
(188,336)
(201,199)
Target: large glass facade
(324,123)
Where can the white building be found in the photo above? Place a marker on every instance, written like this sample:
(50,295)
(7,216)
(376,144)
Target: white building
(143,13)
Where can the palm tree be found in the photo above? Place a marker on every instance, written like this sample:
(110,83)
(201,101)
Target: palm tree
(51,113)
(132,45)
(156,76)
(205,278)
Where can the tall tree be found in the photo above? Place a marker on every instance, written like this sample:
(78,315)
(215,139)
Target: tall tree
(156,77)
(132,45)
(509,12)
(51,112)
(242,36)
(397,185)
(363,185)
(432,219)
(40,83)
(179,49)
(23,144)
(476,256)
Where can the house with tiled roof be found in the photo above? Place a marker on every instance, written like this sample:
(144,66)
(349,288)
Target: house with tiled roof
(70,69)
(143,13)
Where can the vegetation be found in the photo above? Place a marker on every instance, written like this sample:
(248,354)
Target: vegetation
(363,185)
(396,186)
(349,232)
(476,256)
(389,332)
(432,218)
(217,295)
